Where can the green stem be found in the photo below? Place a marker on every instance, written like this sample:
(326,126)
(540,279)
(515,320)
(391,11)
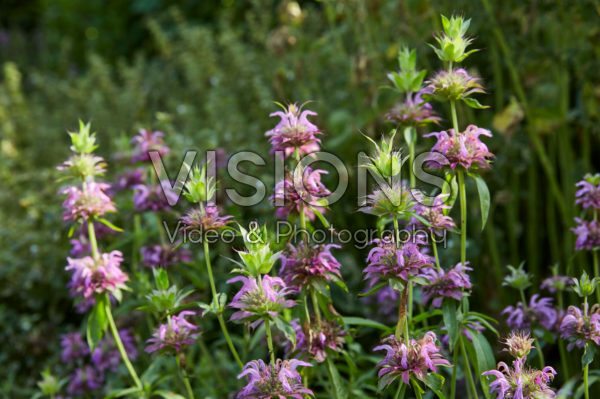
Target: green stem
(454,370)
(186,381)
(563,359)
(270,341)
(92,238)
(401,389)
(463,216)
(219,315)
(470,379)
(417,389)
(435,251)
(120,347)
(585,381)
(454,117)
(313,295)
(411,160)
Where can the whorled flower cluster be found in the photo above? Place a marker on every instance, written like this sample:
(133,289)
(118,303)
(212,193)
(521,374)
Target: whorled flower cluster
(294,132)
(304,264)
(388,200)
(96,276)
(278,380)
(588,194)
(556,283)
(434,215)
(453,85)
(145,142)
(588,234)
(205,218)
(174,335)
(581,326)
(294,193)
(521,381)
(539,310)
(152,198)
(315,338)
(464,149)
(413,111)
(402,360)
(387,261)
(445,284)
(88,202)
(164,255)
(256,300)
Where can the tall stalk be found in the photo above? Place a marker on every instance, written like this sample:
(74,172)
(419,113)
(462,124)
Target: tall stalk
(219,315)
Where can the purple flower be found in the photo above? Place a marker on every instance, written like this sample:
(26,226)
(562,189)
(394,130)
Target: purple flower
(416,359)
(173,335)
(521,382)
(539,311)
(85,379)
(152,198)
(588,194)
(453,85)
(386,299)
(434,214)
(413,111)
(89,203)
(588,234)
(205,218)
(163,256)
(107,357)
(129,179)
(580,326)
(556,283)
(294,131)
(306,264)
(296,193)
(95,277)
(450,284)
(73,347)
(398,199)
(464,149)
(386,261)
(279,380)
(316,338)
(145,142)
(254,302)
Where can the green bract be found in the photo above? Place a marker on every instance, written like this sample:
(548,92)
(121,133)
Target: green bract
(585,286)
(453,43)
(199,187)
(386,162)
(408,79)
(83,141)
(517,278)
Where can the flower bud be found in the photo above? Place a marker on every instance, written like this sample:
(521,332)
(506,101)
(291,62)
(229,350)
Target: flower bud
(83,142)
(199,187)
(385,162)
(519,344)
(453,43)
(517,278)
(585,287)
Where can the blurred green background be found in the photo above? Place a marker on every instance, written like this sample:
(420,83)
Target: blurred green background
(207,73)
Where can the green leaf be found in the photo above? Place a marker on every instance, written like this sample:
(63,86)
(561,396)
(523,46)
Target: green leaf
(336,380)
(450,188)
(450,320)
(168,395)
(97,322)
(322,218)
(397,284)
(588,355)
(286,329)
(110,225)
(161,277)
(435,382)
(484,198)
(122,392)
(473,103)
(410,135)
(484,356)
(360,321)
(373,289)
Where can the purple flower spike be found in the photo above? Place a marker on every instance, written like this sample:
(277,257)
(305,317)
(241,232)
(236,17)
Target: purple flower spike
(152,198)
(315,338)
(85,379)
(521,382)
(556,283)
(164,256)
(205,218)
(129,179)
(294,131)
(413,111)
(279,380)
(95,277)
(386,262)
(453,85)
(87,203)
(434,215)
(306,264)
(107,357)
(255,303)
(588,234)
(450,284)
(173,335)
(464,149)
(416,359)
(73,347)
(579,328)
(145,142)
(295,193)
(588,194)
(524,317)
